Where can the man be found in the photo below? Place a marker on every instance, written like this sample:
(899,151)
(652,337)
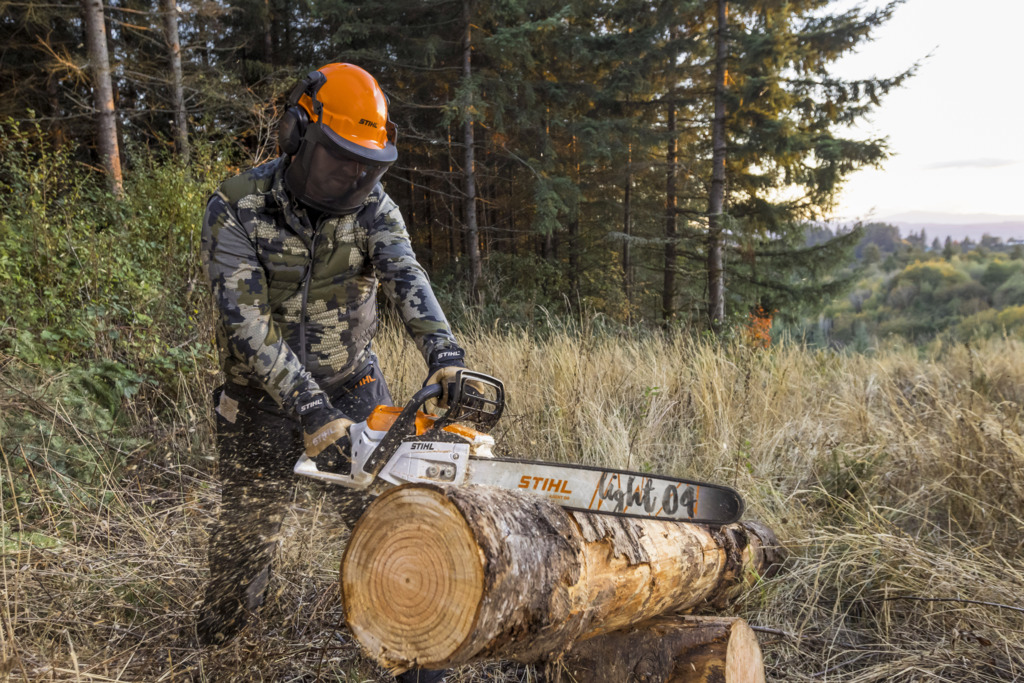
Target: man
(294,250)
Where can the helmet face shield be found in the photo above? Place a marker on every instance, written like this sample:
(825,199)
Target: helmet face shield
(347,140)
(329,177)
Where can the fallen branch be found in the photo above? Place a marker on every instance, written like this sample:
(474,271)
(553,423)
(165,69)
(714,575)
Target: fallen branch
(963,600)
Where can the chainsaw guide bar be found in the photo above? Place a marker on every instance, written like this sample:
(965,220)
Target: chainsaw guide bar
(398,446)
(611,492)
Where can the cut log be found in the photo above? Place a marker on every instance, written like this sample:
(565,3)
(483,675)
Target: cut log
(684,649)
(438,576)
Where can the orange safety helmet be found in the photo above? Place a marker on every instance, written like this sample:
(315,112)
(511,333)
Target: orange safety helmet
(337,131)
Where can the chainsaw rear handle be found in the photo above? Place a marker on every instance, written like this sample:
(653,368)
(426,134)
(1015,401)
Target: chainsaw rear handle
(464,403)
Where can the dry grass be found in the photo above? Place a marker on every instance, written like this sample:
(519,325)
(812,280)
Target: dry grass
(896,480)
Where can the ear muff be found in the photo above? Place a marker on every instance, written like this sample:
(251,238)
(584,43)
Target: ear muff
(291,129)
(293,124)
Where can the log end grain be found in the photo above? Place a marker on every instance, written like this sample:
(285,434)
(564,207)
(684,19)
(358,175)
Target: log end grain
(722,651)
(743,660)
(413,578)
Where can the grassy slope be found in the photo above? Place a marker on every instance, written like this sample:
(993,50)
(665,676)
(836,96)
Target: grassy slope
(892,479)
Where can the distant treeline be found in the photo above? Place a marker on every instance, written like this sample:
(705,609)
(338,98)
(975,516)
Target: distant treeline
(646,161)
(882,239)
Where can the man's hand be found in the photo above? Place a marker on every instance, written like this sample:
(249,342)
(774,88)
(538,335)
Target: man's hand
(446,378)
(325,434)
(444,364)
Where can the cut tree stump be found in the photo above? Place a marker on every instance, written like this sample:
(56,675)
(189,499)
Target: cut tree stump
(684,649)
(441,576)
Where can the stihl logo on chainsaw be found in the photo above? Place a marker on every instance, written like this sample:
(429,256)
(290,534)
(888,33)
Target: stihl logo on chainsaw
(544,484)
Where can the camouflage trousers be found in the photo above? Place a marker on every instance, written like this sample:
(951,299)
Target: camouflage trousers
(258,446)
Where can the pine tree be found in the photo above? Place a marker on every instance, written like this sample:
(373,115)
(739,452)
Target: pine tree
(169,10)
(103,93)
(785,115)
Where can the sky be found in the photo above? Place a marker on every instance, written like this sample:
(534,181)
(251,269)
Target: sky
(955,130)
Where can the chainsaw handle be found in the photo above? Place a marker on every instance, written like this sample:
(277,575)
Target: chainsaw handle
(475,397)
(420,397)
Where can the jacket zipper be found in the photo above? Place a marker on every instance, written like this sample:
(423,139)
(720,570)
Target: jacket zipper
(305,295)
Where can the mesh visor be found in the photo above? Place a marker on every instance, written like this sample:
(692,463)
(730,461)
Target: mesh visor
(335,180)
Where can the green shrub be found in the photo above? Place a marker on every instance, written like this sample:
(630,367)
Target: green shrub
(998,271)
(87,277)
(1010,292)
(103,320)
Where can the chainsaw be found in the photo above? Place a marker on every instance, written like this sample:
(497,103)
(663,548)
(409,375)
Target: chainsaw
(396,446)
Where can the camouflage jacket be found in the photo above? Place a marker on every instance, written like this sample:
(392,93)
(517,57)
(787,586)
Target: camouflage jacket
(288,326)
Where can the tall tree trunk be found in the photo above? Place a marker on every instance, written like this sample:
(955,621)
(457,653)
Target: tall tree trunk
(125,98)
(716,200)
(268,34)
(428,218)
(103,93)
(668,294)
(472,231)
(453,242)
(56,127)
(574,255)
(486,213)
(627,229)
(550,247)
(511,213)
(170,12)
(574,230)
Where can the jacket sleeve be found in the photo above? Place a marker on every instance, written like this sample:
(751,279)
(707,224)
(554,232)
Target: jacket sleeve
(246,329)
(406,282)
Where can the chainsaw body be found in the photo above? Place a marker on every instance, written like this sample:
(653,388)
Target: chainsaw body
(429,455)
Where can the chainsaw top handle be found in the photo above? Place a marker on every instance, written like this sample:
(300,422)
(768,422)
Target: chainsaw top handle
(473,397)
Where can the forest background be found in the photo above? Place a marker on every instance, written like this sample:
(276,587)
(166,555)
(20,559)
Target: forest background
(631,186)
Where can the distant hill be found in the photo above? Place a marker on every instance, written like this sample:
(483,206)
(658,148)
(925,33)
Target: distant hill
(955,226)
(959,226)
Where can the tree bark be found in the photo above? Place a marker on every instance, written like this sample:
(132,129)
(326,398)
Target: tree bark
(56,127)
(268,33)
(549,247)
(170,12)
(574,231)
(453,242)
(438,576)
(684,649)
(627,230)
(472,230)
(103,93)
(668,294)
(716,198)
